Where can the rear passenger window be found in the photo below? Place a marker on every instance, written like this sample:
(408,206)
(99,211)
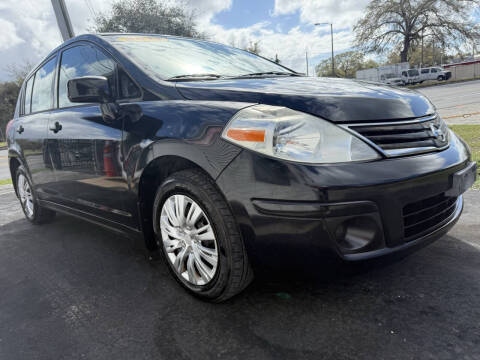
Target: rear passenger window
(424,71)
(83,60)
(28,96)
(42,87)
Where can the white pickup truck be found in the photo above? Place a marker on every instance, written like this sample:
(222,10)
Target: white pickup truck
(434,73)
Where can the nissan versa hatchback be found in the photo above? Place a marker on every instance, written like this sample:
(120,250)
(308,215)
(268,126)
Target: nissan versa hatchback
(219,158)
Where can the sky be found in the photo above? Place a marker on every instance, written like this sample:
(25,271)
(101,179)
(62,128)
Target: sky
(28,29)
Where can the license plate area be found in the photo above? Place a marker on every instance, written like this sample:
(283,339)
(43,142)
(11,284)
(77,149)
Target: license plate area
(462,180)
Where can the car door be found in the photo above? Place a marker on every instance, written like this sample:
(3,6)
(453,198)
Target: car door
(84,147)
(433,74)
(31,128)
(424,74)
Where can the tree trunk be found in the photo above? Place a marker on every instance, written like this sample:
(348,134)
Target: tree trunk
(404,52)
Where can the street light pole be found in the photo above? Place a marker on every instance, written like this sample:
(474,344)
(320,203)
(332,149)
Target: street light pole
(331,34)
(333,58)
(63,19)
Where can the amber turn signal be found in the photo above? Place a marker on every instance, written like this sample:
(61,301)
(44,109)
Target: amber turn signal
(246,135)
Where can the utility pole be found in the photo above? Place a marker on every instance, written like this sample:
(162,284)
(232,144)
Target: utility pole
(306,60)
(433,52)
(331,34)
(333,58)
(63,19)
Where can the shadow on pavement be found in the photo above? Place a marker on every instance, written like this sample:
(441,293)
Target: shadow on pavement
(70,290)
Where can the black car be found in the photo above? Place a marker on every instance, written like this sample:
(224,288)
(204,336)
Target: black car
(220,158)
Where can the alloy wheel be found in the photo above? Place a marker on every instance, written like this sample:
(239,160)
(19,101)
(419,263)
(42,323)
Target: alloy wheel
(25,194)
(188,239)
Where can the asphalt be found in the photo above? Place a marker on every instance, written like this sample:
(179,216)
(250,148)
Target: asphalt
(457,103)
(70,290)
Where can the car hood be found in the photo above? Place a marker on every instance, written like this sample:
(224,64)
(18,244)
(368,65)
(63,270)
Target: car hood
(337,100)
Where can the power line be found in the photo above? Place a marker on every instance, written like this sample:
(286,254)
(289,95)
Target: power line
(90,8)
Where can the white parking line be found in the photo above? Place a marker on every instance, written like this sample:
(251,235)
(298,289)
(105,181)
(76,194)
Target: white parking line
(476,246)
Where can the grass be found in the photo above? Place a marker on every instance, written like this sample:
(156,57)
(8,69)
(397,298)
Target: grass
(2,144)
(5,182)
(471,135)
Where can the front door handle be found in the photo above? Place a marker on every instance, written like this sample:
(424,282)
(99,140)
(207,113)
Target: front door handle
(20,129)
(56,128)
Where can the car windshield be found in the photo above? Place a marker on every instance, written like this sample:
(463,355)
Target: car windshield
(175,58)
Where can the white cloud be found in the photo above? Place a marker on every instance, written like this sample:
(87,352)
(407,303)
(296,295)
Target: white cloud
(206,9)
(8,36)
(342,13)
(29,29)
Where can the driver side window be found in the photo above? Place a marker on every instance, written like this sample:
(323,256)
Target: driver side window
(83,60)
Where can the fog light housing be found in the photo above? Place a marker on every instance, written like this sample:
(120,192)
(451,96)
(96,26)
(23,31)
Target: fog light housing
(359,233)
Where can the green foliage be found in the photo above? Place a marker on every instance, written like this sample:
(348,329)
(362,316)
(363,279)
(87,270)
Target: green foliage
(147,16)
(346,64)
(8,99)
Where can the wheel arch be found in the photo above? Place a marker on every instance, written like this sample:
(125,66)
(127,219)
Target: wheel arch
(14,162)
(152,176)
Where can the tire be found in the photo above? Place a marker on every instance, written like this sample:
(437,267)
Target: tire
(232,271)
(34,213)
(440,78)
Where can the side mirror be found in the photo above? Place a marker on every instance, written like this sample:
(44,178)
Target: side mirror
(89,89)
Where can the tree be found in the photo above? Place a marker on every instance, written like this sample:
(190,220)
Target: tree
(346,64)
(433,54)
(9,91)
(8,100)
(147,16)
(18,71)
(254,47)
(389,24)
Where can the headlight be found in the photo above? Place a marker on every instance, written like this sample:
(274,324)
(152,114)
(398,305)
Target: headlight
(292,135)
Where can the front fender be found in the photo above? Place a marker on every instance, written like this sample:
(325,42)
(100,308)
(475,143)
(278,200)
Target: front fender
(186,129)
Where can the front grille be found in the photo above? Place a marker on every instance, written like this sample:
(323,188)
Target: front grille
(405,137)
(424,216)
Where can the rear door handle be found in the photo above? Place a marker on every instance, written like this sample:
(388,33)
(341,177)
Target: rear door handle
(20,129)
(56,128)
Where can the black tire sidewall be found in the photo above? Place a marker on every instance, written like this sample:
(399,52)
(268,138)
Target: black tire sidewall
(177,184)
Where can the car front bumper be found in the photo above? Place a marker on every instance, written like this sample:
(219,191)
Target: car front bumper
(354,210)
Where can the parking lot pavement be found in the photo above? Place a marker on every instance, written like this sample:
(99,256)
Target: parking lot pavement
(71,290)
(457,103)
(4,171)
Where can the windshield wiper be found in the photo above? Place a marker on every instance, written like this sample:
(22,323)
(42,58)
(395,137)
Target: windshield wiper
(195,76)
(282,73)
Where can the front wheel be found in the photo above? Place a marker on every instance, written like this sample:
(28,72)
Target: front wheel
(34,213)
(199,237)
(440,78)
